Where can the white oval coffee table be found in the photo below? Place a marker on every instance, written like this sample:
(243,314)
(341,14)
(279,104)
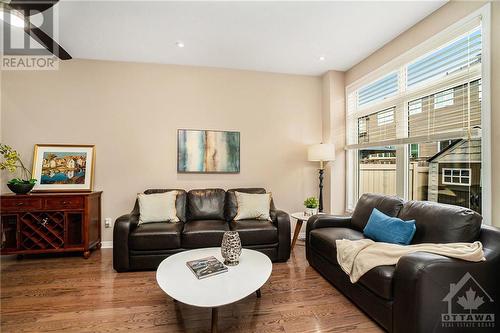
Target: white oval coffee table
(176,279)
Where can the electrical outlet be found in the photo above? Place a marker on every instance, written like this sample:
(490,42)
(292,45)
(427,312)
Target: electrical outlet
(107,222)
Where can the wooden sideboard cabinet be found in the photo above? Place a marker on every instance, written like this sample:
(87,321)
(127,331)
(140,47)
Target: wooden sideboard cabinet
(50,222)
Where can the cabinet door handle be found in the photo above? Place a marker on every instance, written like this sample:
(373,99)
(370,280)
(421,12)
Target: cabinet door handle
(19,203)
(65,202)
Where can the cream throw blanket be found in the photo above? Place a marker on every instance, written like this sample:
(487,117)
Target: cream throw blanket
(359,256)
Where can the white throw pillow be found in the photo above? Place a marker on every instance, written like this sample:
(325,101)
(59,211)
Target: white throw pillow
(157,207)
(253,206)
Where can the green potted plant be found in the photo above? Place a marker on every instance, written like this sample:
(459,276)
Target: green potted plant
(311,204)
(12,162)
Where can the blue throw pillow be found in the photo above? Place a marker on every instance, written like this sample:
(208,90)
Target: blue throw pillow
(383,228)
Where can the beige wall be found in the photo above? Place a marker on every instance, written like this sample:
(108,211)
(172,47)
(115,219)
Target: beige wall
(431,25)
(334,132)
(131,112)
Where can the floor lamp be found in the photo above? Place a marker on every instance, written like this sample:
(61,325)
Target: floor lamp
(322,153)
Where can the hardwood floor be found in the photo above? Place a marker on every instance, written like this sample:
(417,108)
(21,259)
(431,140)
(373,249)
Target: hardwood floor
(72,294)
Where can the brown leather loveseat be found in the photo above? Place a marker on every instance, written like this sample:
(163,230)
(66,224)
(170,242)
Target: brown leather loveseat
(204,216)
(422,293)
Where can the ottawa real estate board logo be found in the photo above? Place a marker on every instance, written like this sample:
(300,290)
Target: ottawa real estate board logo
(22,32)
(469,305)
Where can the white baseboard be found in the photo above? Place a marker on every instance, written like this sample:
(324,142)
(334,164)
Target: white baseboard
(107,244)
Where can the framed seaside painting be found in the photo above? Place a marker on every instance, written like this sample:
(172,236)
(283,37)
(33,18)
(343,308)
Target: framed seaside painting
(205,151)
(63,167)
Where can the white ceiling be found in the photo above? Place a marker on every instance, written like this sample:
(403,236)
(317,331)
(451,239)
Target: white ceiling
(284,37)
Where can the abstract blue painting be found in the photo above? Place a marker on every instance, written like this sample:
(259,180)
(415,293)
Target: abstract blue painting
(206,151)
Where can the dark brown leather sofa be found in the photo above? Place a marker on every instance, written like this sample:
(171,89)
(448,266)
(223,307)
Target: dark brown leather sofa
(409,297)
(204,216)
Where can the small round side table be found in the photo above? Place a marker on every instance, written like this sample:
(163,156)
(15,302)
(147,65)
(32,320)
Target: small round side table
(300,217)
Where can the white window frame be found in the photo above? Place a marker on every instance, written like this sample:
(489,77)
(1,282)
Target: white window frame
(449,81)
(459,176)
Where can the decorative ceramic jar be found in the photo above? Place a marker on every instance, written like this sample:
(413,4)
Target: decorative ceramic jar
(310,211)
(231,248)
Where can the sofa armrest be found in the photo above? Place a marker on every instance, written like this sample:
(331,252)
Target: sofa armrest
(327,221)
(324,221)
(123,225)
(282,221)
(422,286)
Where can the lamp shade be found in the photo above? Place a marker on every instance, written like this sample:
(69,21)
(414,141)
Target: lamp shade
(321,152)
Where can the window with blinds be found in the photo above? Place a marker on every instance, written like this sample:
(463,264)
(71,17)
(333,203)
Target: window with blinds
(453,112)
(428,104)
(460,54)
(377,127)
(378,90)
(414,125)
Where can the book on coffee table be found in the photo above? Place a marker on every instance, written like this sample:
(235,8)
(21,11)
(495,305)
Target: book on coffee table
(205,267)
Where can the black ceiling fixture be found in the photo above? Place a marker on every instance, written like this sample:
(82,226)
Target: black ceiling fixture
(23,9)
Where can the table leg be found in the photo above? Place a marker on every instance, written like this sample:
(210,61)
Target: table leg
(296,232)
(258,293)
(215,319)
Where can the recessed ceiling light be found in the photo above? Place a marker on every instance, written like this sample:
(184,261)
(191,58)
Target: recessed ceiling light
(322,58)
(179,44)
(12,17)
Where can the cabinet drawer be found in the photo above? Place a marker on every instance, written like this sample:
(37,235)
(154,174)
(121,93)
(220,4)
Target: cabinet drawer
(19,205)
(58,203)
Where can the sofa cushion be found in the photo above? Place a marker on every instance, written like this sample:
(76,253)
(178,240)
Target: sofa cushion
(383,228)
(386,204)
(180,201)
(323,240)
(203,233)
(440,223)
(232,204)
(206,204)
(252,206)
(156,236)
(255,232)
(157,207)
(379,281)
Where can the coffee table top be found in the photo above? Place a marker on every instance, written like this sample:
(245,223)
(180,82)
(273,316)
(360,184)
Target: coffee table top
(176,279)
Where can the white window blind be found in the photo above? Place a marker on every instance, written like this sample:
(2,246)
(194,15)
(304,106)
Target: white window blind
(385,117)
(444,98)
(436,97)
(415,107)
(378,90)
(450,114)
(462,53)
(377,127)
